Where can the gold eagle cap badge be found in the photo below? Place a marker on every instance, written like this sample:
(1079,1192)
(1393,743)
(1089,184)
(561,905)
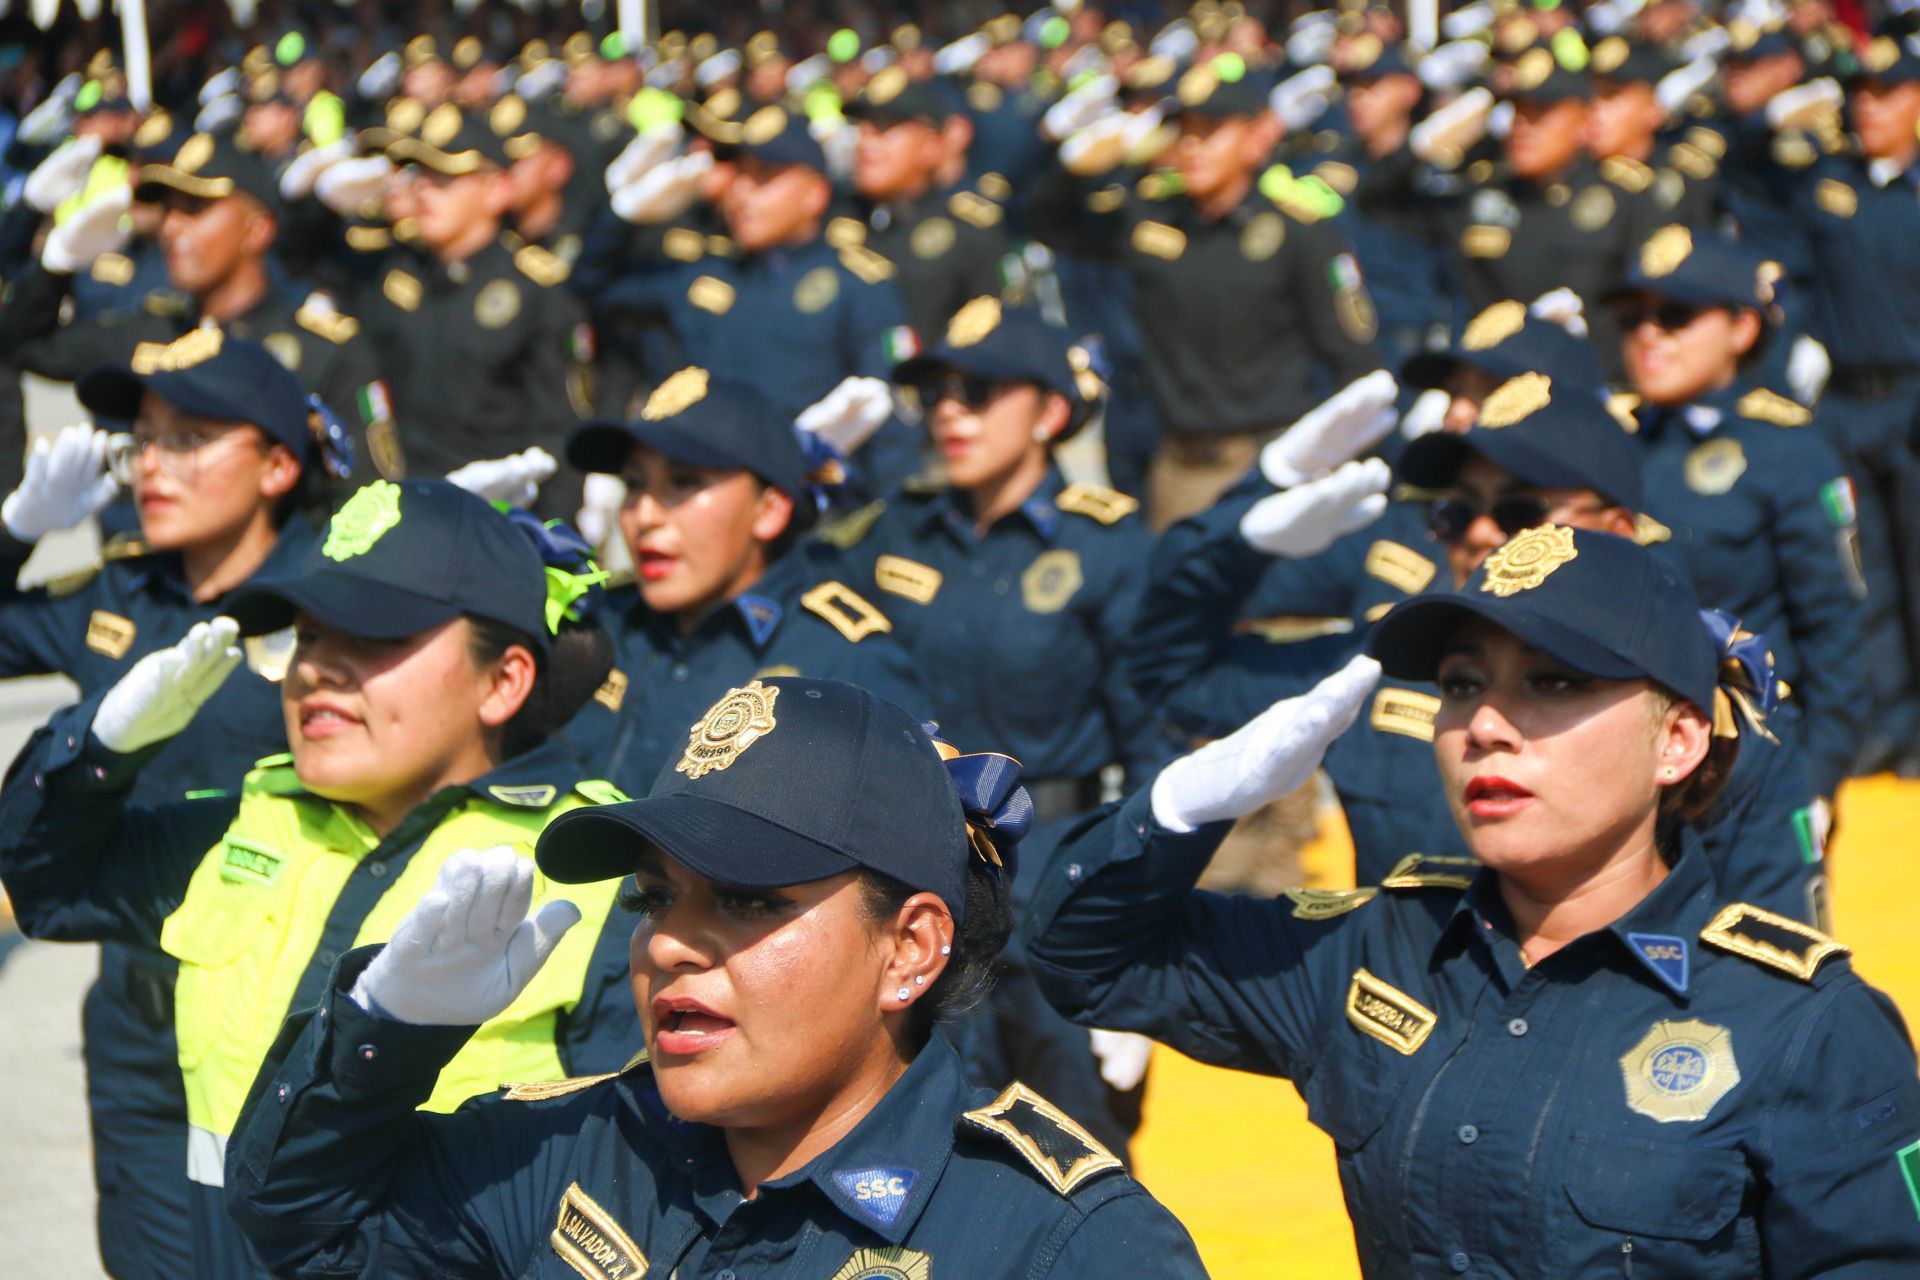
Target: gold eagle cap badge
(1528,559)
(730,726)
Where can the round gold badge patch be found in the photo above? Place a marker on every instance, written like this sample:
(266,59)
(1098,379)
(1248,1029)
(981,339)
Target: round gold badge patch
(817,290)
(1528,560)
(1715,467)
(1050,581)
(1262,237)
(732,725)
(932,238)
(497,304)
(1679,1070)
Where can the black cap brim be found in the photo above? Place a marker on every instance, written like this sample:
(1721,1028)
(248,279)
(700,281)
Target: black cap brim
(1409,642)
(605,445)
(1434,460)
(714,840)
(371,610)
(112,391)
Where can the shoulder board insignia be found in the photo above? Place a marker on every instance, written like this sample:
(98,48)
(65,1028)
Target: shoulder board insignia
(1708,140)
(1405,712)
(612,691)
(1418,871)
(1400,567)
(368,239)
(542,266)
(601,792)
(974,209)
(1106,199)
(402,290)
(1059,1150)
(1325,904)
(1794,151)
(329,324)
(711,294)
(113,268)
(1624,405)
(1158,240)
(124,546)
(846,610)
(1626,173)
(1763,405)
(843,232)
(1692,161)
(1771,940)
(110,634)
(69,583)
(1108,506)
(1385,1012)
(1292,628)
(541,1090)
(923,485)
(1836,197)
(995,186)
(534,796)
(866,264)
(1160,185)
(684,244)
(918,582)
(720,246)
(849,529)
(164,302)
(1375,612)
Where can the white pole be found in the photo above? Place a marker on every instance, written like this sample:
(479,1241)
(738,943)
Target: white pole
(636,25)
(133,35)
(1423,23)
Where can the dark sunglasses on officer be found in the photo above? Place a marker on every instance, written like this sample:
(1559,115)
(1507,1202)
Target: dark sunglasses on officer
(1663,313)
(972,391)
(1450,517)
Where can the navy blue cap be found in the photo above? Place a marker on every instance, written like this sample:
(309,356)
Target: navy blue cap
(209,167)
(784,781)
(1600,603)
(1507,340)
(1892,58)
(1221,87)
(1545,433)
(772,135)
(1702,267)
(1367,57)
(1012,344)
(1750,43)
(1540,74)
(1623,59)
(892,97)
(703,421)
(400,558)
(212,375)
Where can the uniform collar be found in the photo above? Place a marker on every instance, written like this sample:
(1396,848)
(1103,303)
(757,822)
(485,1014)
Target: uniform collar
(163,571)
(1041,510)
(549,767)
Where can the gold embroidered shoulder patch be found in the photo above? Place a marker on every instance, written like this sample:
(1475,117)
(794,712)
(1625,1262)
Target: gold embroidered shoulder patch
(974,210)
(1108,506)
(1405,712)
(711,294)
(1388,1014)
(846,610)
(113,268)
(541,1090)
(1158,240)
(1771,940)
(319,317)
(1325,904)
(1059,1150)
(866,264)
(588,1239)
(1419,871)
(110,634)
(849,530)
(684,244)
(402,290)
(1763,405)
(900,576)
(541,266)
(1400,567)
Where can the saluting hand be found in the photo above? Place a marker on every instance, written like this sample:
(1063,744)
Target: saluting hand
(468,949)
(1346,425)
(514,479)
(847,416)
(61,174)
(1307,519)
(66,481)
(86,233)
(665,191)
(163,691)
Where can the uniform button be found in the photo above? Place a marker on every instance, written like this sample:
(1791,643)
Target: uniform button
(1073,871)
(368,1053)
(1468,1134)
(1459,1261)
(725,1275)
(1518,1027)
(40,779)
(327,957)
(281,1093)
(378,871)
(679,671)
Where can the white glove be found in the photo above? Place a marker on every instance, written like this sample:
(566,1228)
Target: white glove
(1468,21)
(1500,121)
(1562,307)
(1309,518)
(1808,367)
(1092,100)
(96,227)
(349,186)
(219,85)
(221,114)
(847,416)
(664,192)
(1264,759)
(1448,132)
(161,694)
(1311,38)
(601,497)
(639,156)
(1177,40)
(540,83)
(1452,64)
(807,72)
(468,948)
(1802,106)
(514,479)
(958,58)
(1339,430)
(1100,146)
(52,120)
(297,182)
(66,481)
(1677,87)
(1711,43)
(61,174)
(1301,99)
(1122,1056)
(1426,415)
(381,78)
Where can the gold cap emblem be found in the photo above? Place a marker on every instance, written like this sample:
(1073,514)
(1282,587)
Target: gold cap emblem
(1528,559)
(440,126)
(1679,1070)
(973,322)
(1494,325)
(676,395)
(763,126)
(1532,70)
(1664,251)
(732,725)
(194,152)
(1515,400)
(183,352)
(887,86)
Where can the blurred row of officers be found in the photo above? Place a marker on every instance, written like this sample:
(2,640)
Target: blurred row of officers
(836,323)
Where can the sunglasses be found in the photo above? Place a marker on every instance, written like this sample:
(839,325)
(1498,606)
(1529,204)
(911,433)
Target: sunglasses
(970,390)
(1450,518)
(1665,314)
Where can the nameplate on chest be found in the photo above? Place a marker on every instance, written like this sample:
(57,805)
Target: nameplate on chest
(110,634)
(588,1239)
(1388,1014)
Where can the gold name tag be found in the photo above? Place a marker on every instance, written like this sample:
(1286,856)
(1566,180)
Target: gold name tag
(1388,1014)
(1405,712)
(109,633)
(588,1240)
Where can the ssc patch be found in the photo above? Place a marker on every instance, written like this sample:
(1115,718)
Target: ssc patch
(890,1262)
(588,1239)
(1387,1014)
(878,1193)
(1715,467)
(110,634)
(1666,956)
(1051,580)
(817,289)
(245,862)
(1679,1070)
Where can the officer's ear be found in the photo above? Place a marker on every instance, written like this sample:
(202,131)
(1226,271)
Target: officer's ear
(772,514)
(1261,136)
(1746,330)
(259,229)
(499,194)
(957,135)
(815,193)
(279,473)
(1055,413)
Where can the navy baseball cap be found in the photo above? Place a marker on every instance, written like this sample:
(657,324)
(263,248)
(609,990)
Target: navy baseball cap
(1545,74)
(400,558)
(1544,432)
(1221,87)
(449,142)
(772,135)
(1702,267)
(703,421)
(1011,344)
(892,97)
(1630,61)
(1507,340)
(1600,603)
(784,781)
(1892,58)
(210,374)
(208,166)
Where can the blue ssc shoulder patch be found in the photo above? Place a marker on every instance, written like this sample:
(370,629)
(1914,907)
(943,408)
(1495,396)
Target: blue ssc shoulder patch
(1665,955)
(879,1193)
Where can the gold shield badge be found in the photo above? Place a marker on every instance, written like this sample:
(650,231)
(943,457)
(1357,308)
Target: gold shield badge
(497,304)
(816,291)
(1050,581)
(889,1262)
(1679,1070)
(932,238)
(1528,559)
(1715,467)
(733,724)
(1262,237)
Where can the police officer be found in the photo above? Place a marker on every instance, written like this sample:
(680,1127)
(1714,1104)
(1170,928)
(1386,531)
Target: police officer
(718,496)
(418,698)
(1573,1056)
(1626,122)
(804,819)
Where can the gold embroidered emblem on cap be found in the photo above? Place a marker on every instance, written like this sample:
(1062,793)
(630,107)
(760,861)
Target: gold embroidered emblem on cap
(679,393)
(1197,85)
(1494,325)
(405,114)
(1388,1014)
(361,521)
(1715,467)
(1609,54)
(1532,70)
(1664,251)
(1528,559)
(441,124)
(734,723)
(1679,1070)
(1515,400)
(973,322)
(194,152)
(888,1262)
(588,1239)
(887,86)
(184,352)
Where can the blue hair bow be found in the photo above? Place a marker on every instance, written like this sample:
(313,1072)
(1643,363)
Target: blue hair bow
(333,438)
(567,558)
(1746,679)
(828,471)
(999,811)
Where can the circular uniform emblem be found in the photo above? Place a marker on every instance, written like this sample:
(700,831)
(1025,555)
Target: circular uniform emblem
(361,521)
(1262,237)
(1528,559)
(818,288)
(732,725)
(1051,580)
(285,348)
(932,238)
(1592,209)
(1679,1070)
(1715,467)
(495,306)
(889,1262)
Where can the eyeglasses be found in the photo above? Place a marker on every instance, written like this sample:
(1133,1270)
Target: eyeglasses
(1450,518)
(1664,314)
(970,390)
(179,451)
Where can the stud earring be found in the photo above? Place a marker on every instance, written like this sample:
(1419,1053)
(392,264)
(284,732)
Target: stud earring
(946,951)
(1039,435)
(919,979)
(904,993)
(1669,773)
